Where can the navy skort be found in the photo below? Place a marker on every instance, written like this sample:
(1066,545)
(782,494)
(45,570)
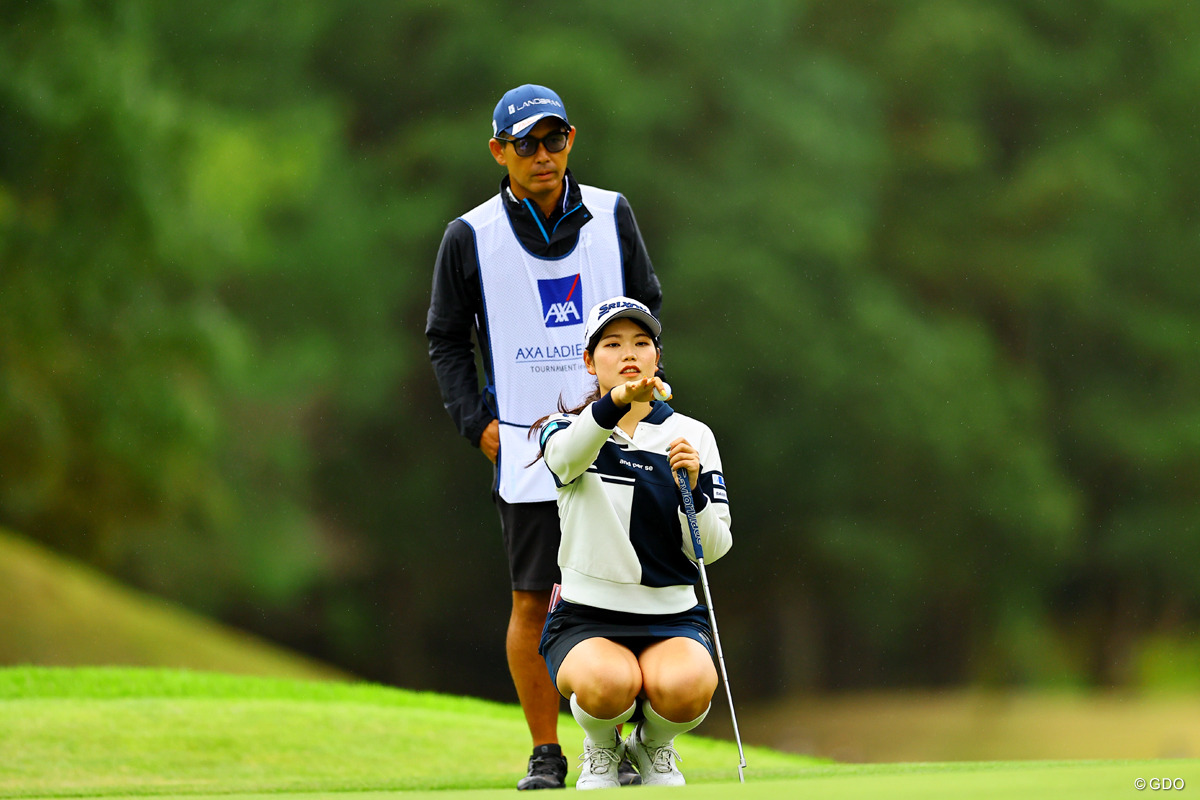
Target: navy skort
(568,624)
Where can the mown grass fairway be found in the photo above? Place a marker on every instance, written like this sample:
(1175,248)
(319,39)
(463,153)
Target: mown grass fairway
(154,733)
(73,732)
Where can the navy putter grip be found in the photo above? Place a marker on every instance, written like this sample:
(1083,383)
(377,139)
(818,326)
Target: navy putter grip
(689,507)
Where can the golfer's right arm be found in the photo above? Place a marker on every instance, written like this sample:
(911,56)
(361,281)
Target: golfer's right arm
(570,444)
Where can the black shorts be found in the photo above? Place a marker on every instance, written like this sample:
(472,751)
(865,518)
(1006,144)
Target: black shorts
(531,536)
(570,623)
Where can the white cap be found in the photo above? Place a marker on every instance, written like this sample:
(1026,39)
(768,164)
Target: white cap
(615,308)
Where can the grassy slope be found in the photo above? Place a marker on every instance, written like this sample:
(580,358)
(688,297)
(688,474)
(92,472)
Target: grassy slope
(126,733)
(56,612)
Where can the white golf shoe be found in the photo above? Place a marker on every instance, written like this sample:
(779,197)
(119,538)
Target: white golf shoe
(598,768)
(656,765)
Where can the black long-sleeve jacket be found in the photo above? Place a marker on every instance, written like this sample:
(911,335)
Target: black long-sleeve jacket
(456,302)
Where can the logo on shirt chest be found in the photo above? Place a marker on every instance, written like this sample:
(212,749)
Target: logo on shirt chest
(633,465)
(562,301)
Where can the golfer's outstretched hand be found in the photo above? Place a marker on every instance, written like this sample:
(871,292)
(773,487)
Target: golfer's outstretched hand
(640,390)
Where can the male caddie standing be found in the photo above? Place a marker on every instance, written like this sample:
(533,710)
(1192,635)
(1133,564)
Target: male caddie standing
(520,271)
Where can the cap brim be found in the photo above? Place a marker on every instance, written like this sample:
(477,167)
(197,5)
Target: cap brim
(637,315)
(519,129)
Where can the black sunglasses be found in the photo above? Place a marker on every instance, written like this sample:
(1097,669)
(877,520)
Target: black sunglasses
(555,143)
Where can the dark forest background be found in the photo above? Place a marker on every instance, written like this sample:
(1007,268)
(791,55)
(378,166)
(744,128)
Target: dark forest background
(930,274)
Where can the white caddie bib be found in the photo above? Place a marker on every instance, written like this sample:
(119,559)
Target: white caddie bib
(535,311)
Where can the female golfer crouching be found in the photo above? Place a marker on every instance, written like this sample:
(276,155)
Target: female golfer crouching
(627,626)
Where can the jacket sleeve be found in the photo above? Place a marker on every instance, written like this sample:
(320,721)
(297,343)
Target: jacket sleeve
(712,505)
(570,444)
(455,307)
(640,281)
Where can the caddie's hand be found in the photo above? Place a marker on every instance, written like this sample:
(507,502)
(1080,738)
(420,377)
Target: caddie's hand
(489,442)
(638,391)
(683,456)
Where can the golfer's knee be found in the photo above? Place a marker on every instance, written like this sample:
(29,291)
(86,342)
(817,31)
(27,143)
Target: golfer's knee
(603,685)
(605,696)
(682,696)
(682,707)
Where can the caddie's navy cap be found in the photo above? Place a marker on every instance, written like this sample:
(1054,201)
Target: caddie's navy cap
(616,308)
(521,108)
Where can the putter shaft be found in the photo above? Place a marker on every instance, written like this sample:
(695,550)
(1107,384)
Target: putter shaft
(689,507)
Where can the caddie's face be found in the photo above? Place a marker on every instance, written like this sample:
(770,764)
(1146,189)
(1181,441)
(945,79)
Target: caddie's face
(625,352)
(538,176)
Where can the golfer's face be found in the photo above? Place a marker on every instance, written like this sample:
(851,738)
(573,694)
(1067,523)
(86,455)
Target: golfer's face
(625,352)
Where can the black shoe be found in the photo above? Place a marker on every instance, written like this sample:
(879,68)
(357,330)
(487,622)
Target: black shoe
(547,769)
(626,774)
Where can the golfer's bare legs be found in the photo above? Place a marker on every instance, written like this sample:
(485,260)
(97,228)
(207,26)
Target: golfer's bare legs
(539,699)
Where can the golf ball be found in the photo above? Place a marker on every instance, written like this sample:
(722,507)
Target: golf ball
(664,394)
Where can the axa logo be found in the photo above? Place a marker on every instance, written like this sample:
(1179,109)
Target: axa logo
(562,301)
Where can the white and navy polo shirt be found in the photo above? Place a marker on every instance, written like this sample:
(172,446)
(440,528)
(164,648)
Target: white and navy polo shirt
(625,539)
